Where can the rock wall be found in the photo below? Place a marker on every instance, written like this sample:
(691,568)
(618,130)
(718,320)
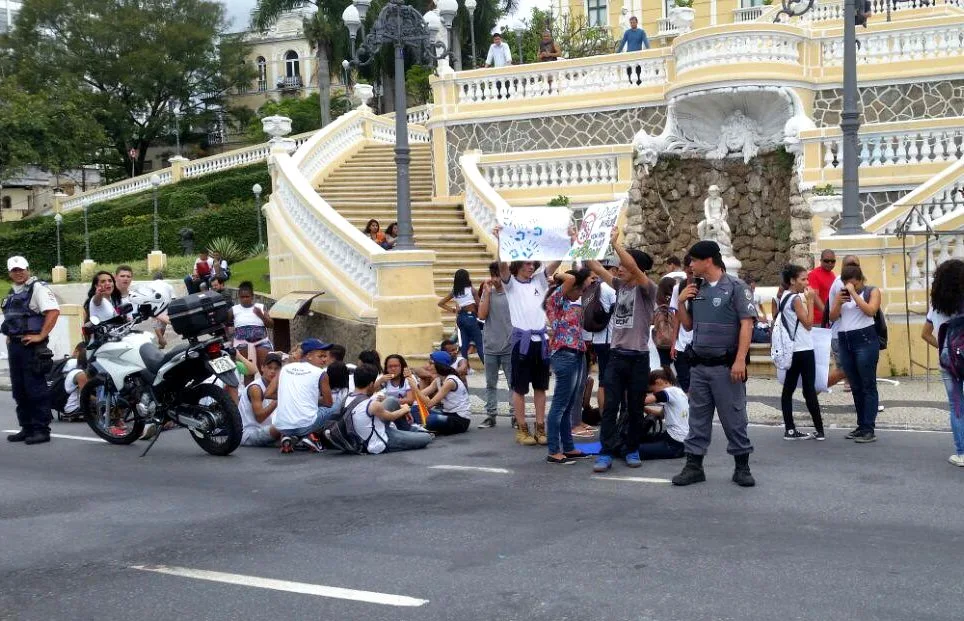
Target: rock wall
(769,220)
(561,131)
(894,102)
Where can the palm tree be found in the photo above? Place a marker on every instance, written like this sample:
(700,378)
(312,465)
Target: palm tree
(324,31)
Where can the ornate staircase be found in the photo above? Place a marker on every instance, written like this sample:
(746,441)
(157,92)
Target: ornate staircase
(363,187)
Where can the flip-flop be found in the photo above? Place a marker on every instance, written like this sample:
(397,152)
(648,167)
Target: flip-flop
(583,434)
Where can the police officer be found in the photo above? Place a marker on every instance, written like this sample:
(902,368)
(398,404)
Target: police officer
(30,312)
(719,309)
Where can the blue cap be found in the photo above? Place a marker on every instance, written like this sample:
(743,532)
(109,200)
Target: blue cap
(309,345)
(441,357)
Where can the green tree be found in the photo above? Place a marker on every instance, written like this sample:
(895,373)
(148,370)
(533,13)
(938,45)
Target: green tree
(129,62)
(303,113)
(575,37)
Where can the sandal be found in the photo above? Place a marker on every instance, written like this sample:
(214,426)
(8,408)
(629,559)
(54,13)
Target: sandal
(586,433)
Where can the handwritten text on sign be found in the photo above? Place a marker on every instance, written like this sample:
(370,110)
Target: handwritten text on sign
(534,234)
(592,240)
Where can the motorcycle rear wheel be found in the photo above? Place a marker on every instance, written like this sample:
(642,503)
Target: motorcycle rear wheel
(112,423)
(220,404)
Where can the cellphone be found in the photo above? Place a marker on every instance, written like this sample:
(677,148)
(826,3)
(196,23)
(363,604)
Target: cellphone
(698,282)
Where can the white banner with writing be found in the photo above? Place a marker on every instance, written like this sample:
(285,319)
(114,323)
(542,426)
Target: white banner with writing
(592,239)
(534,234)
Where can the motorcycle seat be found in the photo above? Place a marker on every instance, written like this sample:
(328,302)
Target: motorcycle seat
(155,358)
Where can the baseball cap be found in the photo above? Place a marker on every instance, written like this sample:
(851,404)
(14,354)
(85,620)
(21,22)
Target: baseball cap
(274,356)
(17,263)
(441,357)
(309,345)
(705,249)
(609,262)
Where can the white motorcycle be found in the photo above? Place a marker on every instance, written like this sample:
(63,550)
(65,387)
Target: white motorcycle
(132,382)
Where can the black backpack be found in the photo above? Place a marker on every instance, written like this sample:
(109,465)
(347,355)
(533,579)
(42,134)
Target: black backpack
(55,385)
(339,432)
(880,324)
(594,317)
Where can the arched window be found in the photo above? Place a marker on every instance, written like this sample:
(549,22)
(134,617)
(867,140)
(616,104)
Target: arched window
(262,74)
(7,203)
(292,68)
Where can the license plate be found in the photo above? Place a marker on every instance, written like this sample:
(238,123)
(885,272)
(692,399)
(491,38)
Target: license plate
(222,364)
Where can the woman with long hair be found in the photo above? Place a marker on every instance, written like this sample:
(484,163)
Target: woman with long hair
(374,231)
(466,309)
(391,234)
(854,306)
(447,391)
(796,314)
(103,298)
(947,302)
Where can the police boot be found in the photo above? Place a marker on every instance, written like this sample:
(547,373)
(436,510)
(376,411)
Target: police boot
(692,471)
(20,436)
(741,474)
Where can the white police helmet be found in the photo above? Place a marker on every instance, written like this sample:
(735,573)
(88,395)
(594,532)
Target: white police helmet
(142,295)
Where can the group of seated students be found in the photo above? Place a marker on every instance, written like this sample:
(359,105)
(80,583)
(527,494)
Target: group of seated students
(392,407)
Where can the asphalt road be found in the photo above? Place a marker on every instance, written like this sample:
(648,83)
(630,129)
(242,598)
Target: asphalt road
(833,530)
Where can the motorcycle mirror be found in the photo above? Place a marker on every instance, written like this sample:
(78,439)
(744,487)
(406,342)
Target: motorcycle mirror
(144,310)
(124,309)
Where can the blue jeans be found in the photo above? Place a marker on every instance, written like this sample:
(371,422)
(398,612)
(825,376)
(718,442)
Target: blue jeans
(471,332)
(567,365)
(955,396)
(324,413)
(399,440)
(859,353)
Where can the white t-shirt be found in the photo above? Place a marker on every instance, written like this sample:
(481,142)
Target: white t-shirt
(73,394)
(103,311)
(457,400)
(802,341)
(248,421)
(685,337)
(936,319)
(298,391)
(676,412)
(465,298)
(607,297)
(246,316)
(162,287)
(365,423)
(399,392)
(525,302)
(851,317)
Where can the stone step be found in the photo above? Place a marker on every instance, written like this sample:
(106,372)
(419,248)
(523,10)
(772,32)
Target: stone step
(424,215)
(381,183)
(381,168)
(385,161)
(372,194)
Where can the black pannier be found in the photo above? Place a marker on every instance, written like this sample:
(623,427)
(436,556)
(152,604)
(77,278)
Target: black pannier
(198,313)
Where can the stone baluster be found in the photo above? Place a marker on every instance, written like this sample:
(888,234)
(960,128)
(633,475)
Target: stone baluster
(829,160)
(913,152)
(865,159)
(943,253)
(889,156)
(515,176)
(543,174)
(940,146)
(901,148)
(555,178)
(914,279)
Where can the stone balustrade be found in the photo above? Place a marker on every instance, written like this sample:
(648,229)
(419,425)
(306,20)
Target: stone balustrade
(572,171)
(748,14)
(114,190)
(765,45)
(939,204)
(895,46)
(898,147)
(666,28)
(482,202)
(829,10)
(923,258)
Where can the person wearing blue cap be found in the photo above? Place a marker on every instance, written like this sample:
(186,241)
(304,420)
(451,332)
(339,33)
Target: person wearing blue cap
(448,391)
(298,389)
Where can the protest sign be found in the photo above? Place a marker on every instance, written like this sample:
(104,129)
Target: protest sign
(592,240)
(534,234)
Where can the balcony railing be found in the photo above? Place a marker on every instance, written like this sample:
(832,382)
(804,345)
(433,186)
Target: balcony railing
(262,86)
(744,46)
(290,83)
(747,14)
(665,27)
(828,10)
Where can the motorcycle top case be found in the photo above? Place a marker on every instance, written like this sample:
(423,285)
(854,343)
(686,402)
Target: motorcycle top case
(198,313)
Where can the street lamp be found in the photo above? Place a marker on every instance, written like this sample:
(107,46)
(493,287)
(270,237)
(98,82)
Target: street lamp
(256,189)
(470,7)
(850,220)
(86,234)
(155,183)
(446,11)
(352,20)
(59,220)
(519,28)
(403,27)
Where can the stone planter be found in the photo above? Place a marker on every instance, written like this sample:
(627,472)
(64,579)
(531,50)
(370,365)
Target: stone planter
(682,18)
(363,93)
(825,207)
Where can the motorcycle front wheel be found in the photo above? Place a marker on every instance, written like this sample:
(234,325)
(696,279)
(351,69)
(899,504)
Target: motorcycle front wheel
(106,416)
(226,436)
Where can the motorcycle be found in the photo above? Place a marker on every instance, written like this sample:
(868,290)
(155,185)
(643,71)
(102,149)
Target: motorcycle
(132,383)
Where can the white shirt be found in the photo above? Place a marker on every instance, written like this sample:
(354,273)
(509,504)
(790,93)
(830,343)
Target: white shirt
(73,394)
(103,311)
(248,421)
(851,317)
(457,400)
(499,55)
(465,298)
(298,391)
(525,302)
(936,319)
(42,299)
(399,392)
(677,275)
(162,287)
(246,316)
(802,341)
(685,337)
(676,413)
(365,424)
(607,297)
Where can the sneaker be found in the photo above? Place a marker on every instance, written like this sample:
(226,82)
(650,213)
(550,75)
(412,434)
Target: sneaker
(487,423)
(793,434)
(819,437)
(563,461)
(118,430)
(853,434)
(287,445)
(523,437)
(311,443)
(417,427)
(880,408)
(540,434)
(957,460)
(865,438)
(633,460)
(603,463)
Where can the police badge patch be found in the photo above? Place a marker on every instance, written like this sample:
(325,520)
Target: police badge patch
(717,301)
(747,294)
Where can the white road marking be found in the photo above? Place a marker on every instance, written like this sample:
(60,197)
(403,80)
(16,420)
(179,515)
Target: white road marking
(779,426)
(475,468)
(632,479)
(63,436)
(371,597)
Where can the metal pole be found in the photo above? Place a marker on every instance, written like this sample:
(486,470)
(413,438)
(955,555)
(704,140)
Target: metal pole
(59,262)
(402,152)
(155,219)
(850,220)
(257,212)
(177,133)
(472,35)
(86,237)
(519,35)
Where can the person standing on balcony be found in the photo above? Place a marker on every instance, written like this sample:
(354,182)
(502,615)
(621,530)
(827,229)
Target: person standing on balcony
(548,50)
(499,53)
(633,39)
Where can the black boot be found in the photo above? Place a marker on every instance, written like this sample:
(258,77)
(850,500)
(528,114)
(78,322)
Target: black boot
(741,474)
(692,471)
(20,436)
(37,437)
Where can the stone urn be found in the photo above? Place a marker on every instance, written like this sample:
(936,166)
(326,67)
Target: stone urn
(825,207)
(278,127)
(363,93)
(682,18)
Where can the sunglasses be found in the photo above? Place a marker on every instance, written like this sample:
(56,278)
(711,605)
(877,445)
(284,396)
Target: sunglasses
(829,260)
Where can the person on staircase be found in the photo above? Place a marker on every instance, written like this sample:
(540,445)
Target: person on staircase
(463,300)
(391,234)
(374,231)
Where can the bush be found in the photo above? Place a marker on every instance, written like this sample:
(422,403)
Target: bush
(182,203)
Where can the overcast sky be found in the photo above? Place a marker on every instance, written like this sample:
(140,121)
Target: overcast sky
(239,11)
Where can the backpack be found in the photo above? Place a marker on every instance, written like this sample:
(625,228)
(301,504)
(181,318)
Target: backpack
(664,334)
(950,341)
(594,317)
(55,385)
(339,431)
(781,342)
(880,324)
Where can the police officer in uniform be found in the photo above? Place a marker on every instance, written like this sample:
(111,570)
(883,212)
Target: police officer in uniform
(719,309)
(30,312)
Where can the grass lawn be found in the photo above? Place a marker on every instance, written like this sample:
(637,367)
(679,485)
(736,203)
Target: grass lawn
(254,269)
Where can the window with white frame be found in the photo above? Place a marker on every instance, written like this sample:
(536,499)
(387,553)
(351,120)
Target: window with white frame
(292,68)
(597,12)
(262,74)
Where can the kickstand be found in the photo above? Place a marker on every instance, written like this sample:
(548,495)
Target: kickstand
(157,436)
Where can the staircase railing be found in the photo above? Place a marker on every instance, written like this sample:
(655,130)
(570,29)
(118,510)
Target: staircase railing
(941,199)
(482,202)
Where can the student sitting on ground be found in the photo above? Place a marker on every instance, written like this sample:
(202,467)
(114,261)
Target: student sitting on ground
(675,413)
(460,364)
(449,391)
(334,390)
(372,357)
(74,381)
(373,419)
(256,410)
(396,387)
(298,391)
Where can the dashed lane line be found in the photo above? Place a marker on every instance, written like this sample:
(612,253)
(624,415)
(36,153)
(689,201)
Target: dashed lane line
(62,436)
(471,468)
(632,479)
